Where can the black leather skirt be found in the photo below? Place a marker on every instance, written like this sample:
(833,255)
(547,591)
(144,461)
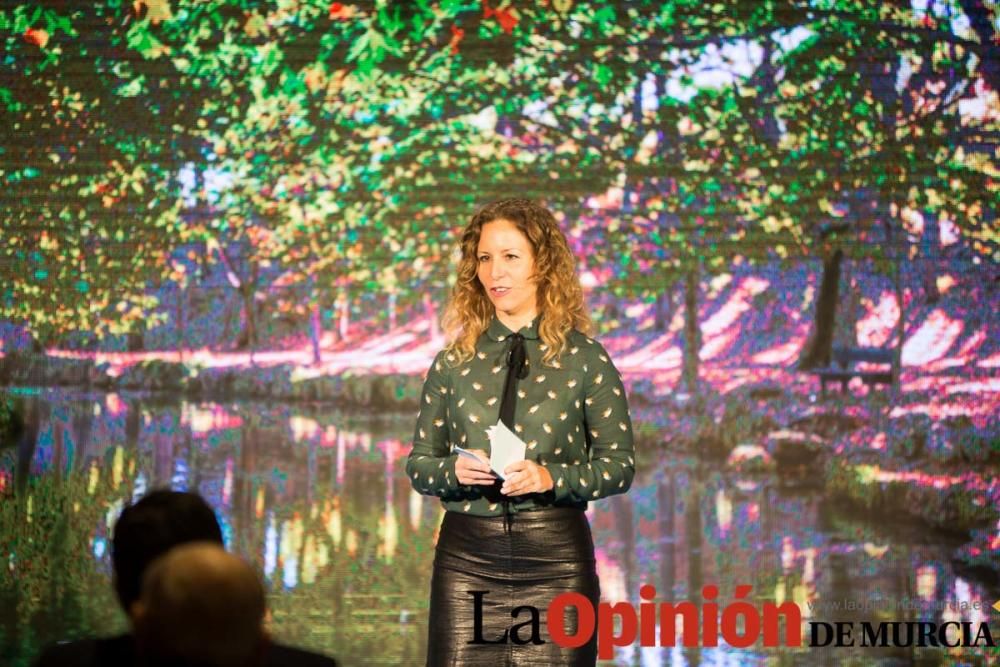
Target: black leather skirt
(485,571)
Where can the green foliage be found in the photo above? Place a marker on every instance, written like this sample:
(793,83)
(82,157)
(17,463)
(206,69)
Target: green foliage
(11,420)
(353,140)
(47,585)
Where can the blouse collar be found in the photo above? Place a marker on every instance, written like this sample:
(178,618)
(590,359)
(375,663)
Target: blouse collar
(499,331)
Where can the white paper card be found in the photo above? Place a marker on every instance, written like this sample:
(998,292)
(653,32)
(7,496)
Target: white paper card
(466,453)
(505,447)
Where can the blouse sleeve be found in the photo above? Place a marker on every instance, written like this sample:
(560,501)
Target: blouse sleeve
(430,464)
(609,434)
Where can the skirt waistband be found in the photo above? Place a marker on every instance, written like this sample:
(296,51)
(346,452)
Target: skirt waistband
(534,514)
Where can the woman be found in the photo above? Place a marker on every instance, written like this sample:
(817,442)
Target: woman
(517,355)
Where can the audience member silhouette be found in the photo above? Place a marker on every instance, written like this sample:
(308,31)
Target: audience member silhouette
(201,606)
(145,531)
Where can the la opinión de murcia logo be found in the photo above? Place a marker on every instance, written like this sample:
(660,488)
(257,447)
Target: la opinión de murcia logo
(900,634)
(739,624)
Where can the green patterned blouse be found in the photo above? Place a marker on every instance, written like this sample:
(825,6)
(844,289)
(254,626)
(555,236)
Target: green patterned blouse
(573,416)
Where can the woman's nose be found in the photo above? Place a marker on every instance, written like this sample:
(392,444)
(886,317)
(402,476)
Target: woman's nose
(496,270)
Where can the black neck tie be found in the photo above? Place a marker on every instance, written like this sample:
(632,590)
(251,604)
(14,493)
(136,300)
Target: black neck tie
(517,369)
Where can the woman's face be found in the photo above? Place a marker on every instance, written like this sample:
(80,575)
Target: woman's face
(507,271)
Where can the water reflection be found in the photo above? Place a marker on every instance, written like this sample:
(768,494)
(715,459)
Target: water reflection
(319,502)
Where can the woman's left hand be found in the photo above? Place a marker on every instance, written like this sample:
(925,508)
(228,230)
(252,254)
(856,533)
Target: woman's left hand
(525,477)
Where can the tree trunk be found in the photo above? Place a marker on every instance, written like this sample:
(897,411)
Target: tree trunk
(37,344)
(845,326)
(315,331)
(692,333)
(133,424)
(930,242)
(897,356)
(134,340)
(227,327)
(663,309)
(345,314)
(248,337)
(820,345)
(34,413)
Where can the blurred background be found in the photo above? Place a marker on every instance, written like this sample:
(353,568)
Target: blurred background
(229,230)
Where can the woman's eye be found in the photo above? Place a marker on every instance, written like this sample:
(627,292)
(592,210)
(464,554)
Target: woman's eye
(511,256)
(483,258)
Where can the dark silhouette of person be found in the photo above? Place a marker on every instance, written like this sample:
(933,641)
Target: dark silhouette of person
(158,522)
(201,606)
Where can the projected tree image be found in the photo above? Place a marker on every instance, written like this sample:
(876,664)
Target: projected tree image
(219,214)
(312,151)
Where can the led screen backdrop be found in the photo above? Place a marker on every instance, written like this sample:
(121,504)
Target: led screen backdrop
(228,231)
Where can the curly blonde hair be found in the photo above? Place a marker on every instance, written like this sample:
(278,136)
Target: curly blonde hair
(560,296)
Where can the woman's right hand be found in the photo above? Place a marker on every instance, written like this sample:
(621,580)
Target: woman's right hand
(474,472)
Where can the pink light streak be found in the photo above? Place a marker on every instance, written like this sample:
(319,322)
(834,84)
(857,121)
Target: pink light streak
(992,361)
(964,357)
(612,199)
(938,411)
(877,326)
(736,305)
(931,362)
(660,353)
(203,420)
(782,353)
(990,385)
(932,340)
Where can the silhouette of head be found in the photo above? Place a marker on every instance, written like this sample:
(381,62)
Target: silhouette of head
(158,522)
(200,606)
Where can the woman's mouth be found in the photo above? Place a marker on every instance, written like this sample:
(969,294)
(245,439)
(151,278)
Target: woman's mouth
(499,291)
